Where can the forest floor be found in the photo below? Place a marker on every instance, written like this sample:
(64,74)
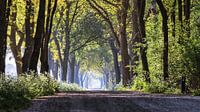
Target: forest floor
(107,101)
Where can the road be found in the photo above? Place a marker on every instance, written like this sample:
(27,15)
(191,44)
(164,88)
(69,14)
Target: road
(102,101)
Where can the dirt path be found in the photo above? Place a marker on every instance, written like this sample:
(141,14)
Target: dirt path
(114,102)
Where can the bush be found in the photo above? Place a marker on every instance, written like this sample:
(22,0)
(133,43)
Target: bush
(196,92)
(16,94)
(155,87)
(138,84)
(64,87)
(13,95)
(120,87)
(39,86)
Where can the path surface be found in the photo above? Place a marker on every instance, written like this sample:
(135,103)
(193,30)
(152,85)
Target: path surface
(114,102)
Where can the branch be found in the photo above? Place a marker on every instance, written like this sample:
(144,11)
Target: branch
(84,44)
(105,16)
(74,15)
(110,3)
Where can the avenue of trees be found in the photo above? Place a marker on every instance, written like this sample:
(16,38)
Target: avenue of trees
(154,41)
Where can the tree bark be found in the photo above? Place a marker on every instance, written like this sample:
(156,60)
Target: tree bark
(13,44)
(143,48)
(38,36)
(135,39)
(115,59)
(77,69)
(67,43)
(72,67)
(4,19)
(187,4)
(165,33)
(187,12)
(173,19)
(123,43)
(49,23)
(29,30)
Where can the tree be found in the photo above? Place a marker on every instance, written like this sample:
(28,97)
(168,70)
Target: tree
(115,59)
(121,13)
(14,44)
(143,48)
(45,42)
(123,43)
(165,33)
(39,35)
(68,27)
(4,19)
(29,30)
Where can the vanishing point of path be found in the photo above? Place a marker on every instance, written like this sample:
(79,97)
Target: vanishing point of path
(102,101)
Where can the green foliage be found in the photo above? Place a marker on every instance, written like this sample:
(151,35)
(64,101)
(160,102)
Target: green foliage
(196,92)
(120,87)
(156,86)
(17,93)
(64,87)
(13,95)
(38,86)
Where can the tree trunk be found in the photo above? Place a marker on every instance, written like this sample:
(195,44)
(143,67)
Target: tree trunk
(107,80)
(4,19)
(29,29)
(49,23)
(38,36)
(187,16)
(77,68)
(72,67)
(67,43)
(165,33)
(13,44)
(134,55)
(143,48)
(173,19)
(123,43)
(115,59)
(187,4)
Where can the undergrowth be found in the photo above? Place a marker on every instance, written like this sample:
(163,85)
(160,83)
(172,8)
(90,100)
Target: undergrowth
(17,93)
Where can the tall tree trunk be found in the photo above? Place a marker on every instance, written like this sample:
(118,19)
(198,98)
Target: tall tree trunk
(38,36)
(67,43)
(4,19)
(143,48)
(180,18)
(115,59)
(49,23)
(72,67)
(165,33)
(135,38)
(13,44)
(187,12)
(187,4)
(29,29)
(123,43)
(77,68)
(173,19)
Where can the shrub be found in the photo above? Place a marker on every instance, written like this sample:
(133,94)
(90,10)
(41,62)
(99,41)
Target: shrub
(196,92)
(64,87)
(39,86)
(12,95)
(155,87)
(138,84)
(17,93)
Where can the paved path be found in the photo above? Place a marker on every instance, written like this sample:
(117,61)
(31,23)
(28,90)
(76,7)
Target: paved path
(102,101)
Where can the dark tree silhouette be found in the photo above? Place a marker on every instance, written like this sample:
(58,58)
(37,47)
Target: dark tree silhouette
(38,36)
